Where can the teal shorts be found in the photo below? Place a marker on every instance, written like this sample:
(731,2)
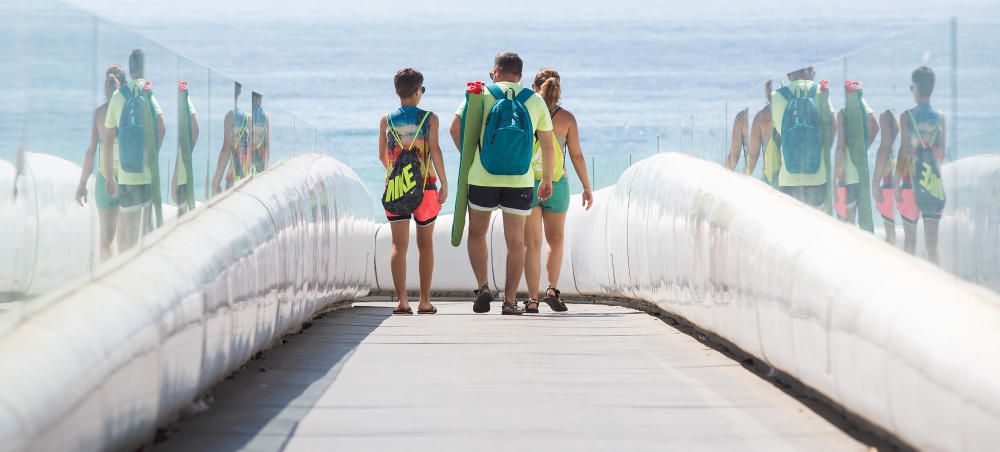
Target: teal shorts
(104,202)
(559,201)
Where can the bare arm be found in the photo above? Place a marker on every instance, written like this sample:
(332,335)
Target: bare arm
(579,162)
(438,159)
(108,161)
(383,152)
(227,146)
(195,130)
(889,130)
(161,131)
(942,139)
(88,160)
(872,130)
(737,141)
(759,132)
(456,131)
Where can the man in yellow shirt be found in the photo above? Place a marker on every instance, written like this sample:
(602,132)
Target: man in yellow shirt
(133,187)
(803,169)
(512,194)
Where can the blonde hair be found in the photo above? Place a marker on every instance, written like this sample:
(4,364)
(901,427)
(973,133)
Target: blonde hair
(114,79)
(547,81)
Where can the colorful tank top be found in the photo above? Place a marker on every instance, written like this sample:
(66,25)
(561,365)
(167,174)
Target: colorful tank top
(409,128)
(925,130)
(240,162)
(259,136)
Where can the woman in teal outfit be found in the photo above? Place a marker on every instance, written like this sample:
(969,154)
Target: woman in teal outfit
(107,206)
(551,213)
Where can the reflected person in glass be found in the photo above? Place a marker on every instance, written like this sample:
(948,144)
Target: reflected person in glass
(260,134)
(107,206)
(882,188)
(235,152)
(919,190)
(182,184)
(760,141)
(136,143)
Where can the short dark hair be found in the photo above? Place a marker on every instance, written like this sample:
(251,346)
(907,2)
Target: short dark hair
(407,82)
(137,63)
(509,63)
(923,80)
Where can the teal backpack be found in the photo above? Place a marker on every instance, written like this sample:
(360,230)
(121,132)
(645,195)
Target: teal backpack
(132,129)
(507,135)
(801,136)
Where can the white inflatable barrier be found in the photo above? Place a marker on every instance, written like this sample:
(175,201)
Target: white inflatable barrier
(48,238)
(894,340)
(891,338)
(102,364)
(970,227)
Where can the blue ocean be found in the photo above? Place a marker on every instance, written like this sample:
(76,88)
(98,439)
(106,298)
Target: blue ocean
(633,72)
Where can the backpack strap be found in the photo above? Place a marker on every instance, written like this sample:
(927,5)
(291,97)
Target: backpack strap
(785,92)
(812,91)
(126,92)
(392,130)
(496,92)
(524,95)
(916,129)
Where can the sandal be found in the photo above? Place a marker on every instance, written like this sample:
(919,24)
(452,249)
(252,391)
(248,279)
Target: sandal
(433,310)
(511,308)
(531,306)
(407,311)
(483,298)
(553,301)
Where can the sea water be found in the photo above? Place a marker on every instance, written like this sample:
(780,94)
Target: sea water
(632,71)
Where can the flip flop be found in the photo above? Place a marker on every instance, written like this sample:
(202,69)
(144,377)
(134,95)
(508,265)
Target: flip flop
(407,311)
(433,310)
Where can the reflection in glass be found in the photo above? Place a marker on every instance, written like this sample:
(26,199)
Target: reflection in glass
(134,116)
(107,205)
(182,184)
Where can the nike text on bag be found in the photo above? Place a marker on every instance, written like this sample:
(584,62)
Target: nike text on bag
(801,136)
(507,135)
(404,184)
(133,126)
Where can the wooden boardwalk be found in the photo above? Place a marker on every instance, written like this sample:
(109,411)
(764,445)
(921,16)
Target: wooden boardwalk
(595,378)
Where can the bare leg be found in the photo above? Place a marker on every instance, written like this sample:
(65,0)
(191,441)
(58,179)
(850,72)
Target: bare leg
(397,260)
(513,231)
(555,229)
(425,245)
(533,252)
(852,214)
(479,225)
(890,232)
(128,229)
(931,240)
(109,225)
(147,220)
(910,237)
